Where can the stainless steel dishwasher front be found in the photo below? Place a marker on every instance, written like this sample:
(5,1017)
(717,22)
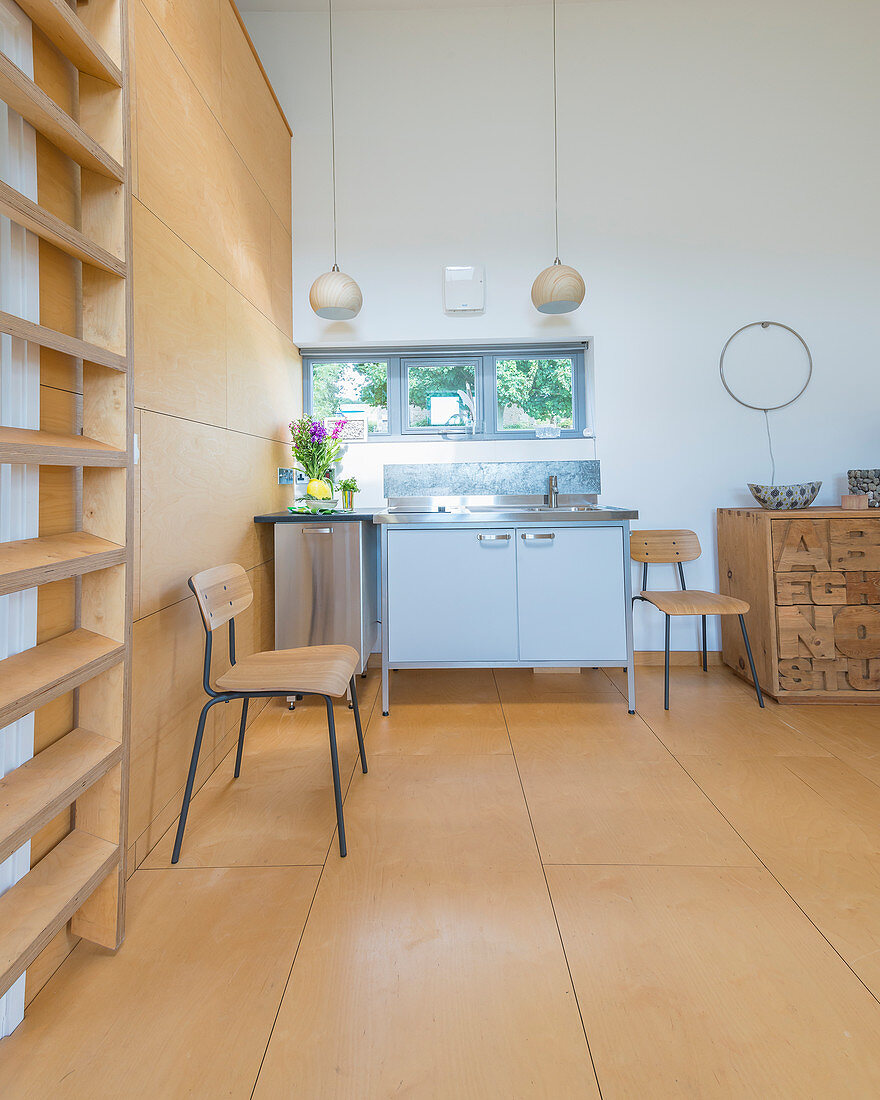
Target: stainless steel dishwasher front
(326,578)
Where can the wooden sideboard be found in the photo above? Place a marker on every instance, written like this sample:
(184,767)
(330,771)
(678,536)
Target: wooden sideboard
(812,577)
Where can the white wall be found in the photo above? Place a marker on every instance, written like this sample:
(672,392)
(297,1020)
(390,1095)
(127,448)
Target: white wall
(719,164)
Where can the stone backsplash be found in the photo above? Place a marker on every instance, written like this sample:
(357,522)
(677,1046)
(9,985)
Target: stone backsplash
(411,479)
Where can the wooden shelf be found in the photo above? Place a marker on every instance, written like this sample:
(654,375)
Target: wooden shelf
(20,93)
(60,341)
(36,791)
(23,211)
(39,905)
(38,675)
(29,562)
(23,446)
(62,25)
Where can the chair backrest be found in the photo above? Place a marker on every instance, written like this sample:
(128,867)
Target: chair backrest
(222,592)
(664,546)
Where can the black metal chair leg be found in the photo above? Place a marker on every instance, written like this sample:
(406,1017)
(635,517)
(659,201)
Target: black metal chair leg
(244,706)
(705,653)
(666,670)
(357,726)
(190,780)
(742,624)
(334,761)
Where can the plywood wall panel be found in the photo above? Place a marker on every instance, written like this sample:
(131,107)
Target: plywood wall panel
(60,410)
(192,29)
(56,609)
(251,119)
(180,325)
(282,277)
(58,499)
(191,176)
(200,489)
(167,696)
(216,375)
(264,373)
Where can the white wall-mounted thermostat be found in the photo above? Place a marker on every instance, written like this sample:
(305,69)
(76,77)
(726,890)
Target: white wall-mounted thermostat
(464,289)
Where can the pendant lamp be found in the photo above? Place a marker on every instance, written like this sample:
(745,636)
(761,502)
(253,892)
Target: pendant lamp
(334,295)
(559,288)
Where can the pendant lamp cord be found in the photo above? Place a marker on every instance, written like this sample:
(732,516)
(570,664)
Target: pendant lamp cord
(332,134)
(555,139)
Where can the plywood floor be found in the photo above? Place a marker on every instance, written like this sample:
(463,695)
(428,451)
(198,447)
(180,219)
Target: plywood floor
(544,897)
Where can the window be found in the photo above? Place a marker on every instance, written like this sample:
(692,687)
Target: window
(485,392)
(534,394)
(440,395)
(355,389)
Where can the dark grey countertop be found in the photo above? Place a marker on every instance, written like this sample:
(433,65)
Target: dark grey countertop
(359,515)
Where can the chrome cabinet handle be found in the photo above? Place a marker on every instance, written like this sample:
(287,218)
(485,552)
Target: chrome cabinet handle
(493,538)
(318,530)
(530,538)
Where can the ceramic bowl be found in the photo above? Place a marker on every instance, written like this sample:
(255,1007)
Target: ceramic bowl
(786,496)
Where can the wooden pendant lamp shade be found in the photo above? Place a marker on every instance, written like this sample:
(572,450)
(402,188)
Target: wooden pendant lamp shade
(558,289)
(335,296)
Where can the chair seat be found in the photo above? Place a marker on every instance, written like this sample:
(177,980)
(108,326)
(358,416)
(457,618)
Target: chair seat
(323,669)
(695,602)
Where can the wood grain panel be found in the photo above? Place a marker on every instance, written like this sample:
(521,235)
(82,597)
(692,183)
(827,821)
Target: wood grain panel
(251,118)
(192,28)
(167,695)
(815,824)
(188,984)
(190,175)
(179,326)
(264,372)
(282,276)
(718,979)
(451,1008)
(200,489)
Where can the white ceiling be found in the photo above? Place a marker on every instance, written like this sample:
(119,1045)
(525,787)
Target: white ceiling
(394,5)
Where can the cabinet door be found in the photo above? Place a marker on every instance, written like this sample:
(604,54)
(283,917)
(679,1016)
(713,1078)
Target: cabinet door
(571,594)
(452,596)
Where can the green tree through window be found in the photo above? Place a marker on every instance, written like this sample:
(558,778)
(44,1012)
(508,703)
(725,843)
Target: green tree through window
(338,386)
(533,392)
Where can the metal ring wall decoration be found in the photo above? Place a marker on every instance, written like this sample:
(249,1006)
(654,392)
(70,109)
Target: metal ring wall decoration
(766,324)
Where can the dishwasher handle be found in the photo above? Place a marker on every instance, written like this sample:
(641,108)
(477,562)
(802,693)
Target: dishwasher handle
(317,530)
(540,535)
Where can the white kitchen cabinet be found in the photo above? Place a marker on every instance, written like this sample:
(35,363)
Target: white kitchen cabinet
(452,596)
(570,594)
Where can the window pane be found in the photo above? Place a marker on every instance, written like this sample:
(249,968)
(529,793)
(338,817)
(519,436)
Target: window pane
(440,395)
(534,393)
(357,391)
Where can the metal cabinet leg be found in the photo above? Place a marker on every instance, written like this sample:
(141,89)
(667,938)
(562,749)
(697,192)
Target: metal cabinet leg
(357,726)
(385,699)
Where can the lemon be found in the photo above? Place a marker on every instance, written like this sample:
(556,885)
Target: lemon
(318,489)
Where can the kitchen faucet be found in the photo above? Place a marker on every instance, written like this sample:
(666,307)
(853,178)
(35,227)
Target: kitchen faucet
(552,492)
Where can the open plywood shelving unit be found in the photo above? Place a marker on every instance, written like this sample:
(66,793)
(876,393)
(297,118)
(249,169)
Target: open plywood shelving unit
(82,878)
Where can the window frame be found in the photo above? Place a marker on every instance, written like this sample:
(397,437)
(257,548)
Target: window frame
(485,357)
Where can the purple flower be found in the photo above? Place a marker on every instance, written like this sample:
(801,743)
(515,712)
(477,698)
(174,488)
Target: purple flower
(318,432)
(337,428)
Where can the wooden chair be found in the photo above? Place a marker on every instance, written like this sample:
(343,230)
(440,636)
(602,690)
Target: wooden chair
(325,670)
(656,547)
